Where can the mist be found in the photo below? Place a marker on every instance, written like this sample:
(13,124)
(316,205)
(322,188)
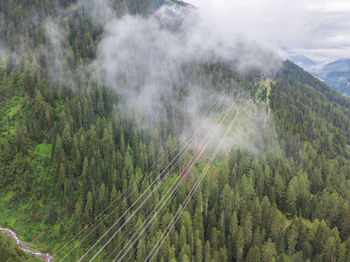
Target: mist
(143,59)
(3,53)
(147,59)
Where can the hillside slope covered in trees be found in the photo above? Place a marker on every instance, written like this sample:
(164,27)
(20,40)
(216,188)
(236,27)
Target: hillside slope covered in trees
(10,252)
(69,149)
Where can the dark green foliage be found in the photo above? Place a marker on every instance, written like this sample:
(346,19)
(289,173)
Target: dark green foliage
(9,251)
(67,153)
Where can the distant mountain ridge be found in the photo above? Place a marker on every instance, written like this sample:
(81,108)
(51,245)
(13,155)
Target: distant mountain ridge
(302,61)
(341,65)
(336,73)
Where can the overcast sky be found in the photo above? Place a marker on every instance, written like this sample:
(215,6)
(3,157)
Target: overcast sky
(319,29)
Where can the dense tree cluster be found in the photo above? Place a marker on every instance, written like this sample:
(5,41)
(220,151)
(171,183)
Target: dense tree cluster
(11,253)
(66,153)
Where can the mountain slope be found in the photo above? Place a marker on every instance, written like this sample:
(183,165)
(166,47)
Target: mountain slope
(11,253)
(67,153)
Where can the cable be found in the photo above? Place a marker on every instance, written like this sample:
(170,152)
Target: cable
(118,198)
(142,225)
(182,178)
(140,206)
(246,92)
(155,206)
(144,192)
(173,149)
(166,232)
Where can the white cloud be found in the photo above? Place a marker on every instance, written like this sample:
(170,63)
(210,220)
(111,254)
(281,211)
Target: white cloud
(288,25)
(327,6)
(144,58)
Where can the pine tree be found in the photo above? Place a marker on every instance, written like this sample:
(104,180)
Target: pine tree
(88,208)
(253,254)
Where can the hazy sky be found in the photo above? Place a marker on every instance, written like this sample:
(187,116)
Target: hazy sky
(319,29)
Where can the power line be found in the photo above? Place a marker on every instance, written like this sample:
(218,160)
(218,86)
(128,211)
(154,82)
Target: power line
(166,232)
(186,148)
(156,212)
(153,165)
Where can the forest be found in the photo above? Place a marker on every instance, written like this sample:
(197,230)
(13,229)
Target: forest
(71,150)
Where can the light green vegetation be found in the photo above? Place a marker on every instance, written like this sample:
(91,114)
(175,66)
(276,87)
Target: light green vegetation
(280,189)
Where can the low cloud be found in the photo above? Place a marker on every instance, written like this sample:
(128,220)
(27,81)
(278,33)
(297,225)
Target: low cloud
(2,52)
(56,55)
(145,60)
(320,27)
(148,59)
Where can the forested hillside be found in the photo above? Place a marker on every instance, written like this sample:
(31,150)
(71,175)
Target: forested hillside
(10,252)
(70,147)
